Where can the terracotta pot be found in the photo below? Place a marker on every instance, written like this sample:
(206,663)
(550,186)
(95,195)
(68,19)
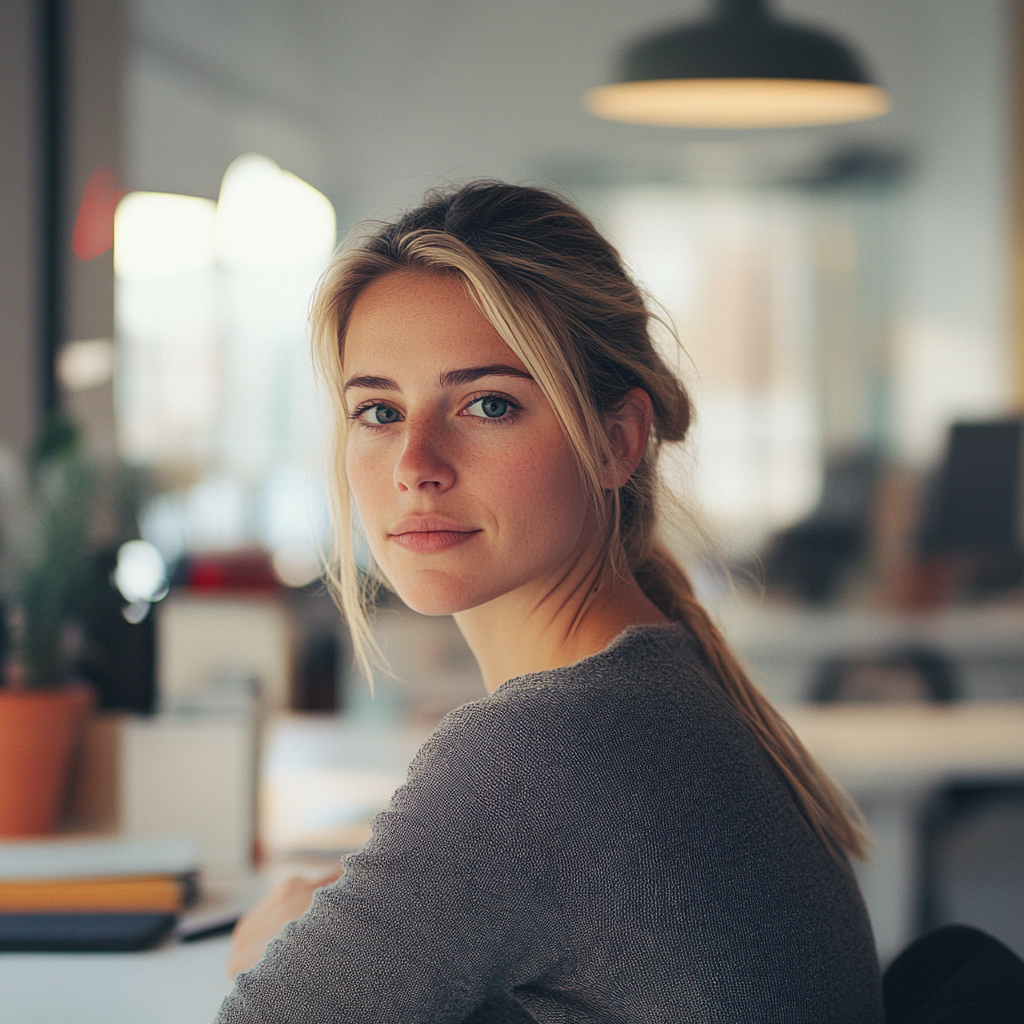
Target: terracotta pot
(39,730)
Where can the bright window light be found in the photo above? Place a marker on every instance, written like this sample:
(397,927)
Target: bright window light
(158,234)
(214,383)
(269,218)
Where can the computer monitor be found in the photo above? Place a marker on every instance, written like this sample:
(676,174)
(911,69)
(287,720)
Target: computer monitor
(975,515)
(978,493)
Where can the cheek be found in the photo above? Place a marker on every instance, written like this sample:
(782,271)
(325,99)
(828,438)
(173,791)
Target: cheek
(540,496)
(368,479)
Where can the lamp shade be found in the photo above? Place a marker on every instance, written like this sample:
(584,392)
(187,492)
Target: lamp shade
(741,68)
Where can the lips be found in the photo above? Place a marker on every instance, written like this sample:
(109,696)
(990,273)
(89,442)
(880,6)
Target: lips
(430,534)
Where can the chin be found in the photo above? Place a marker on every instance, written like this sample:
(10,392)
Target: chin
(439,594)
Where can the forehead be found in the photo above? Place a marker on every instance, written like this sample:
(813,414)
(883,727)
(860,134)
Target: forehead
(409,317)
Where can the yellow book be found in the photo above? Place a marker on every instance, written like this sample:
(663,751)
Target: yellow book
(137,893)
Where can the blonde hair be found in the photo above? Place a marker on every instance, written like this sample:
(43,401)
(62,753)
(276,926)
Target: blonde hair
(556,292)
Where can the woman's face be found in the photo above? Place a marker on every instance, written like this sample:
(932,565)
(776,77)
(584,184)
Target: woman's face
(463,477)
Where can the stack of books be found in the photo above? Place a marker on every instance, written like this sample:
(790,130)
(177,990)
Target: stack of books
(93,894)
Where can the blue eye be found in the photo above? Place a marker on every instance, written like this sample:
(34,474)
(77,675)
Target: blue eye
(379,415)
(492,407)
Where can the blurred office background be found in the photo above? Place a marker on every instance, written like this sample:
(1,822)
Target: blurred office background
(847,298)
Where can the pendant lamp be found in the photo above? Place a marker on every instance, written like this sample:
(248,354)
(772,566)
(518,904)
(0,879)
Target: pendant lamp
(740,68)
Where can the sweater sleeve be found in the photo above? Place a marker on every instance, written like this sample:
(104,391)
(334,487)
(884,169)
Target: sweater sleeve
(446,903)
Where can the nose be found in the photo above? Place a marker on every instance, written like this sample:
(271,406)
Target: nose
(422,464)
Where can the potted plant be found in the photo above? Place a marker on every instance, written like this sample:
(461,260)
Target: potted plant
(45,533)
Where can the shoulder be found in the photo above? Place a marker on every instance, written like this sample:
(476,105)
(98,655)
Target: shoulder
(646,672)
(642,655)
(645,668)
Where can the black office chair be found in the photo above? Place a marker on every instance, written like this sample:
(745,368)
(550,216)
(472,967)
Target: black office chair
(954,975)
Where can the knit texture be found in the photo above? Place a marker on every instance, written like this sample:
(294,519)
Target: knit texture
(601,842)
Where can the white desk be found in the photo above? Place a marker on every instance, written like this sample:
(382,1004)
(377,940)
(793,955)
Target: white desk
(177,984)
(866,747)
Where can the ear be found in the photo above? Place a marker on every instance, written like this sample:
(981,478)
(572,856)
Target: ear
(628,426)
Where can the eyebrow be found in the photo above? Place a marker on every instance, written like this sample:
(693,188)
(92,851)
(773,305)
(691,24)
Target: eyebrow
(376,383)
(453,378)
(447,379)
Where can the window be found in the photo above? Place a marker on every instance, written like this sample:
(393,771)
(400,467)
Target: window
(214,385)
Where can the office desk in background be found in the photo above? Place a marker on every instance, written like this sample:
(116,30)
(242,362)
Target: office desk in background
(785,645)
(890,758)
(868,747)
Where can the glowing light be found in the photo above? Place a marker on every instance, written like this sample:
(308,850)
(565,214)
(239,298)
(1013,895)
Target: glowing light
(296,565)
(158,234)
(140,574)
(84,365)
(267,218)
(738,102)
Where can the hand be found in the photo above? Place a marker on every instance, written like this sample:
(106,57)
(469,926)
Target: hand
(255,928)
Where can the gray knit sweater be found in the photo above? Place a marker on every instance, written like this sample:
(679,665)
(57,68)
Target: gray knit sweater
(602,842)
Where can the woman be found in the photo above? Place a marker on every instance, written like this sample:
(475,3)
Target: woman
(624,830)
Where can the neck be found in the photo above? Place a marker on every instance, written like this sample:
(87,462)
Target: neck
(547,624)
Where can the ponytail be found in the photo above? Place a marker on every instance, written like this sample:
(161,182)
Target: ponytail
(832,818)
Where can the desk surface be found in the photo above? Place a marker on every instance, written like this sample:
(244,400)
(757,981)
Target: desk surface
(177,984)
(772,630)
(904,745)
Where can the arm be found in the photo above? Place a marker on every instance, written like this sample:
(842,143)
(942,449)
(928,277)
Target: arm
(286,902)
(444,904)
